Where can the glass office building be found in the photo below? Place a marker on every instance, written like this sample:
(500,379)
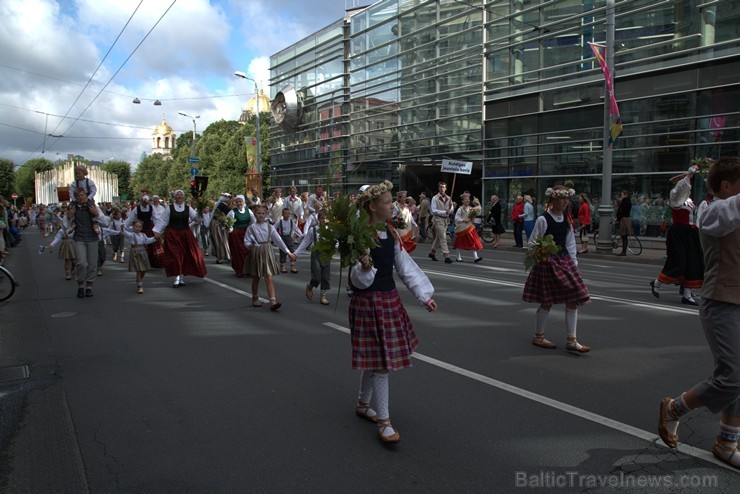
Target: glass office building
(512,85)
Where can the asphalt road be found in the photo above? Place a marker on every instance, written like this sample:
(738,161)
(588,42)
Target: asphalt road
(193,390)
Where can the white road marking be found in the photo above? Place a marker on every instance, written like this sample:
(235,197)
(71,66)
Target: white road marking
(605,298)
(235,290)
(564,407)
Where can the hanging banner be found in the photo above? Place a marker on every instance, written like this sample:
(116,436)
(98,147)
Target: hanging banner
(251,145)
(615,120)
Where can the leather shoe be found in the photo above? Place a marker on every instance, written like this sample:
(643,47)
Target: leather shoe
(88,292)
(80,293)
(671,440)
(656,294)
(477,260)
(448,260)
(432,257)
(309,292)
(688,301)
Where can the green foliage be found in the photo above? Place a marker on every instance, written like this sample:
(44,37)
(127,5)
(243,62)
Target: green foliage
(24,176)
(348,231)
(150,175)
(540,251)
(7,178)
(123,170)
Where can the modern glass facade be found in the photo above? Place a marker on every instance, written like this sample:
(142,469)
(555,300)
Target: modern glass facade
(513,86)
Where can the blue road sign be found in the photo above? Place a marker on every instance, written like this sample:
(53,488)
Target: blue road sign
(193,171)
(193,160)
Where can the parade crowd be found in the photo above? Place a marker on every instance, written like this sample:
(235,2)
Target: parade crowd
(702,252)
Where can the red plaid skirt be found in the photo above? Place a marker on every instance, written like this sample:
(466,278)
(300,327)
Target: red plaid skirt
(182,254)
(382,334)
(239,253)
(468,239)
(556,281)
(155,250)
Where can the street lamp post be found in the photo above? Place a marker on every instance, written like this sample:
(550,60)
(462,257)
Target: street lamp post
(193,119)
(242,75)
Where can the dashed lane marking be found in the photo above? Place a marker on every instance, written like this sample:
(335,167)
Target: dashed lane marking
(564,407)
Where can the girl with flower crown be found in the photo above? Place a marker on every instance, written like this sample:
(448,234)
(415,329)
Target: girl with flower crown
(383,338)
(466,238)
(556,280)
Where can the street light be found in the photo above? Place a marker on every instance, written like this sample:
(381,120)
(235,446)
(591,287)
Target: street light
(193,119)
(242,75)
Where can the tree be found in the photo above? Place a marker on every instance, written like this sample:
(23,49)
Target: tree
(149,175)
(7,178)
(123,170)
(25,179)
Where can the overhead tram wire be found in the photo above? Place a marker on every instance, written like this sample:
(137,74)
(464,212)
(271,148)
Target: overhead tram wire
(89,80)
(116,72)
(76,137)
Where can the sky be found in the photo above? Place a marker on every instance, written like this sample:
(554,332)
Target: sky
(51,48)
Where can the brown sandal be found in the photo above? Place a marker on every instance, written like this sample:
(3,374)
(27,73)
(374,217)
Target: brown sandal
(256,302)
(275,306)
(666,415)
(573,346)
(540,341)
(362,410)
(384,424)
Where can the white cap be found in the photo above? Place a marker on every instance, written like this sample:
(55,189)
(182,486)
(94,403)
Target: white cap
(145,197)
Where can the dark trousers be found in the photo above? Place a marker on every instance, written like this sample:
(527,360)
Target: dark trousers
(290,244)
(101,253)
(319,272)
(518,229)
(205,237)
(423,227)
(117,243)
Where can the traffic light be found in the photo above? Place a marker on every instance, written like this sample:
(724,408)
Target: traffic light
(198,185)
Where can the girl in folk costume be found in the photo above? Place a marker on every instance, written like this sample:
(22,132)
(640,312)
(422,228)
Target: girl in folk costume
(220,229)
(138,260)
(557,280)
(182,257)
(382,335)
(114,233)
(287,227)
(320,270)
(144,212)
(404,222)
(466,238)
(684,264)
(243,218)
(262,262)
(63,238)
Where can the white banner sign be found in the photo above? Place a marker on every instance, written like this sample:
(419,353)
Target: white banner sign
(453,166)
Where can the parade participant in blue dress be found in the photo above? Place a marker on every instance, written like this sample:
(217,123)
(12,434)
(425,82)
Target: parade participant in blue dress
(558,280)
(383,337)
(182,257)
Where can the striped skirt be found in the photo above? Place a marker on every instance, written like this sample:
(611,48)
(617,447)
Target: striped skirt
(67,249)
(382,334)
(557,281)
(138,259)
(220,241)
(261,262)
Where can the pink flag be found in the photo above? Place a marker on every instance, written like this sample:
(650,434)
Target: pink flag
(615,127)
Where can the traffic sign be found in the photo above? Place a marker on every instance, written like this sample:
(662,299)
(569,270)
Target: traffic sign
(193,171)
(14,196)
(193,160)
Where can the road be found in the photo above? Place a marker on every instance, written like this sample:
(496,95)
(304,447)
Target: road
(193,390)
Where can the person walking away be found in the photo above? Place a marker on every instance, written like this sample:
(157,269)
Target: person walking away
(517,211)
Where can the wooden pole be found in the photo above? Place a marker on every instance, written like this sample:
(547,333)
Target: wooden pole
(452,190)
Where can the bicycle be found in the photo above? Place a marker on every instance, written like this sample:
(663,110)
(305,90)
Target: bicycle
(7,284)
(485,232)
(634,246)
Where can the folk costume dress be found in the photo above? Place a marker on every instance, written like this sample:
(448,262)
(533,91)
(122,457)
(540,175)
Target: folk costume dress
(684,264)
(407,231)
(466,238)
(558,280)
(383,337)
(262,260)
(182,256)
(138,260)
(219,230)
(239,253)
(155,249)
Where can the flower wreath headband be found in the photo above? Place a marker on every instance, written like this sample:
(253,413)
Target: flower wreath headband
(373,192)
(550,192)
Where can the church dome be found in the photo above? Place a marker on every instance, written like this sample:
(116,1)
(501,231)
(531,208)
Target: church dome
(250,109)
(163,129)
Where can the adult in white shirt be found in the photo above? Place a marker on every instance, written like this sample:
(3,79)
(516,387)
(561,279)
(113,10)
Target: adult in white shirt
(182,257)
(277,203)
(317,197)
(440,206)
(294,203)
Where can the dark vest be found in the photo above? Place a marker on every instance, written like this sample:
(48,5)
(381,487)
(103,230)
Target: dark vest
(84,224)
(179,221)
(223,207)
(145,217)
(559,231)
(383,257)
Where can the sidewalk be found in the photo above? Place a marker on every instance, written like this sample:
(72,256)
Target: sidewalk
(648,256)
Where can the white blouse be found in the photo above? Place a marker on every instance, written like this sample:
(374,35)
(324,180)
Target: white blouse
(259,233)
